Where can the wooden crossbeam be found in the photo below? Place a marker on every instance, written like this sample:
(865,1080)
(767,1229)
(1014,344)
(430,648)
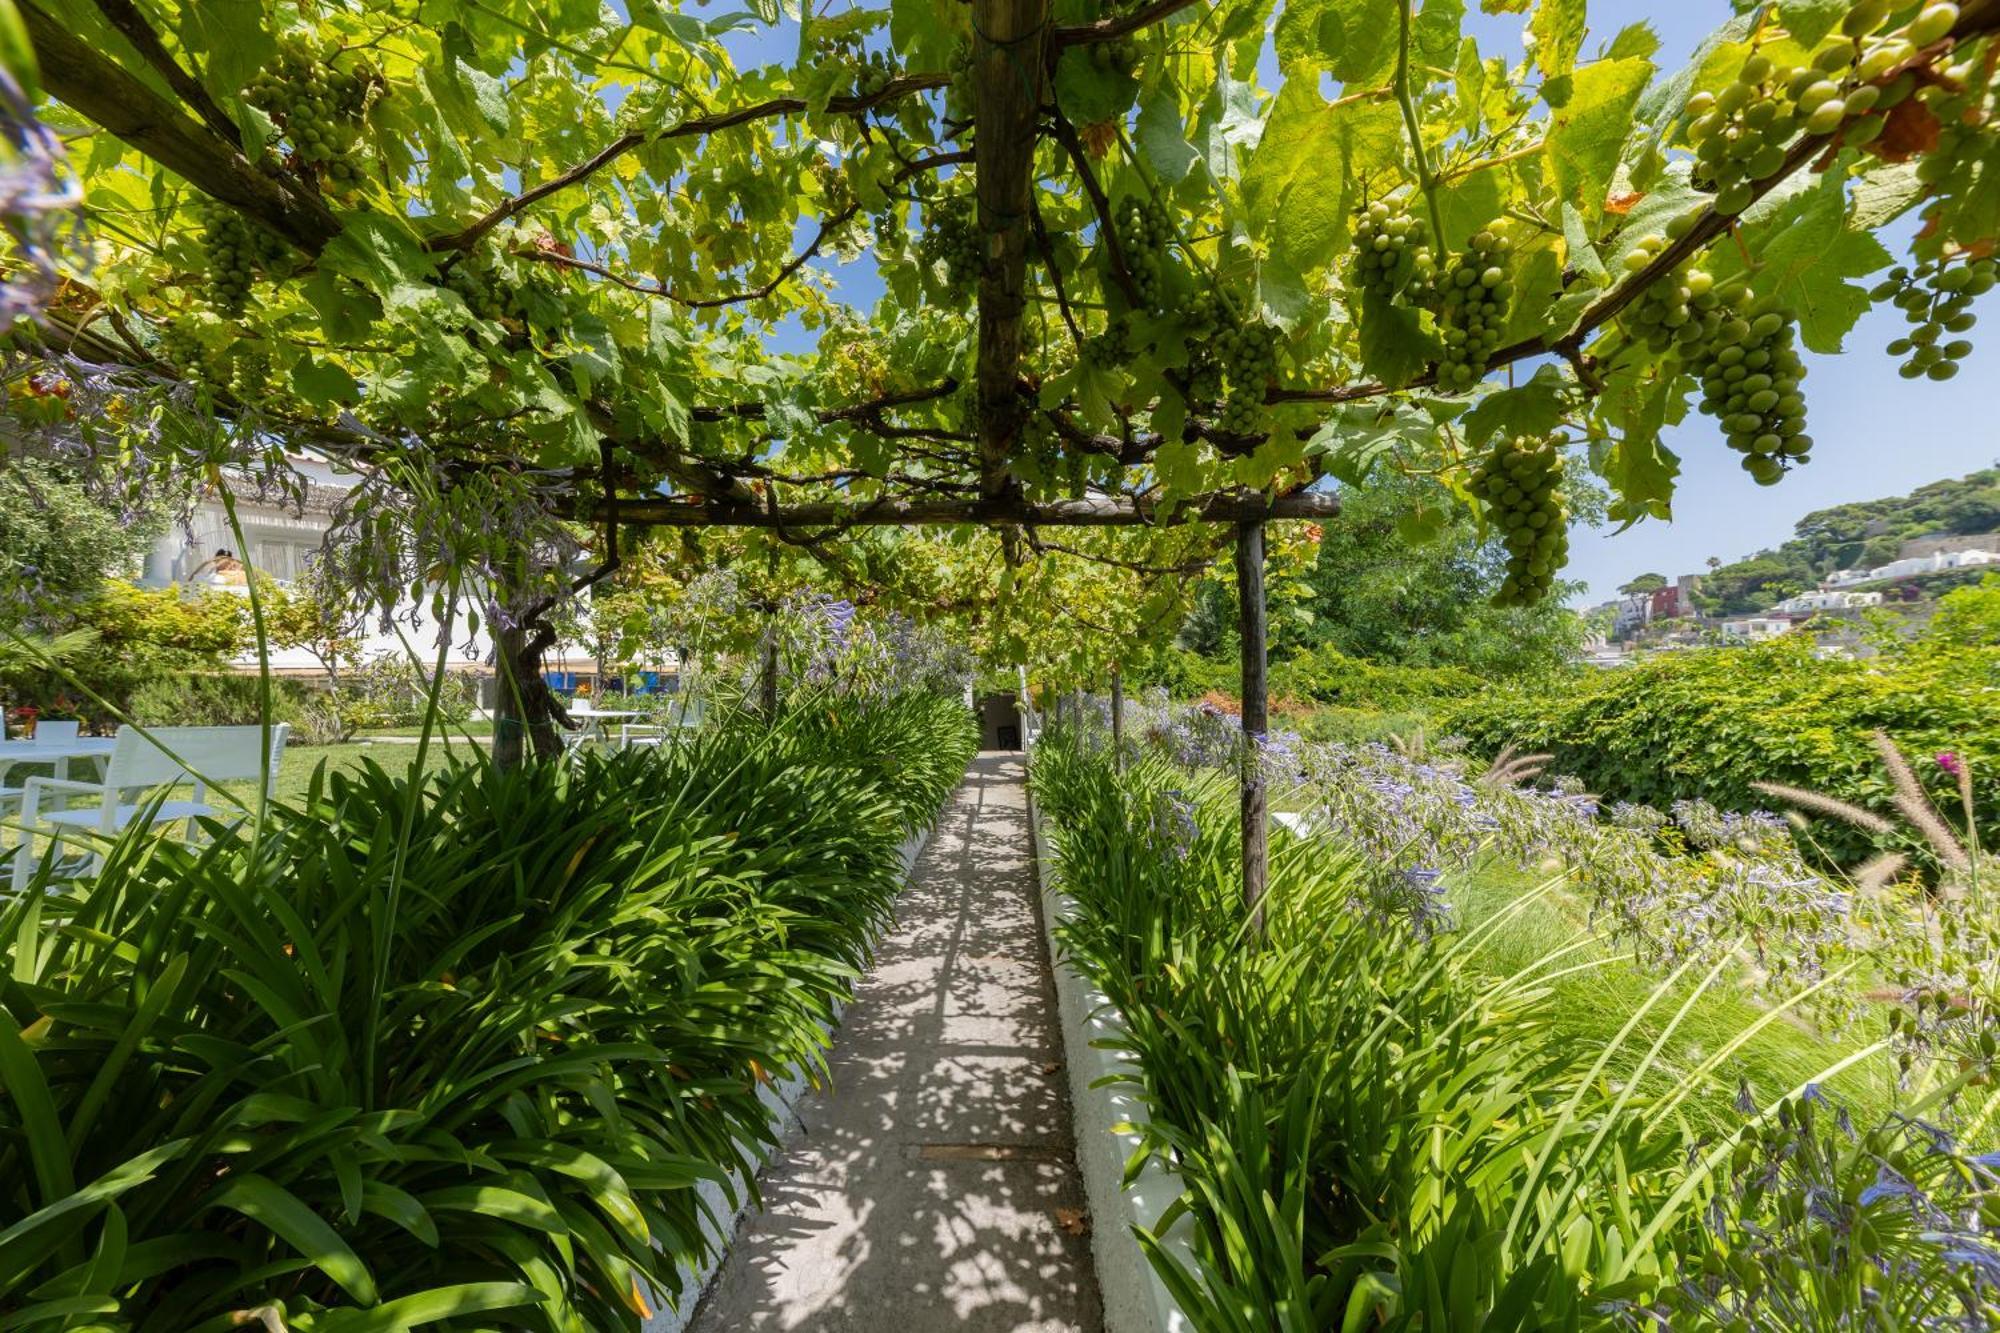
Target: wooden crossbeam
(1091,512)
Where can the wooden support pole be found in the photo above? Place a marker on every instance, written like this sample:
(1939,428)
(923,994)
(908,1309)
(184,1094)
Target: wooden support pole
(1256,715)
(1009,59)
(1117,719)
(767,691)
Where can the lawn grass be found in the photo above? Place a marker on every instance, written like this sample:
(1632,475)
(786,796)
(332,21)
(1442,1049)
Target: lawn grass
(476,727)
(296,770)
(1595,1004)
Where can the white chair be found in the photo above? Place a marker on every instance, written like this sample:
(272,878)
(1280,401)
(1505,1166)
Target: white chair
(57,731)
(143,763)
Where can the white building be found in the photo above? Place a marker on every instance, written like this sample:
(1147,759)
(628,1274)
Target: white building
(1935,562)
(280,536)
(1755,629)
(1827,599)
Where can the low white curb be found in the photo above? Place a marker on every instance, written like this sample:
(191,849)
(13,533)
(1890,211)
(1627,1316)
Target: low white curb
(782,1097)
(1104,1121)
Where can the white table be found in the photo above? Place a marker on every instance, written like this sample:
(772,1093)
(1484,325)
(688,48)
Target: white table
(593,719)
(55,753)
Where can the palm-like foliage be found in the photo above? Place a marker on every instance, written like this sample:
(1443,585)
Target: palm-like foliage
(457,1050)
(1375,1135)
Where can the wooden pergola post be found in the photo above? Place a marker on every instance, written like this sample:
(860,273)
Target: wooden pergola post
(1117,719)
(767,675)
(1256,714)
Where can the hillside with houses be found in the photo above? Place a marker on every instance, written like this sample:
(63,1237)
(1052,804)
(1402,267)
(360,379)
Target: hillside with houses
(1846,569)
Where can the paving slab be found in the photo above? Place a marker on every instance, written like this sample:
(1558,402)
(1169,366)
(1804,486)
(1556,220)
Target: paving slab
(935,1186)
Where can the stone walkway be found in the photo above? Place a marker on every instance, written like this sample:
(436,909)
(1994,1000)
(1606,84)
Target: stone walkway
(935,1186)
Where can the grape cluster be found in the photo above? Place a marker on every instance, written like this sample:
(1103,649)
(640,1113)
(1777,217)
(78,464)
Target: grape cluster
(1472,295)
(1677,311)
(1391,250)
(484,295)
(1520,481)
(1937,300)
(1113,347)
(1750,373)
(875,73)
(318,104)
(1739,134)
(1248,354)
(1115,57)
(182,348)
(252,373)
(1144,232)
(951,236)
(237,250)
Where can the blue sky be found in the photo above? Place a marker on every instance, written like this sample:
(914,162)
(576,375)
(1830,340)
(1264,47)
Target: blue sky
(1874,432)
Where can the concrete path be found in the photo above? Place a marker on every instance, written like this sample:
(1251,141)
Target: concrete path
(935,1187)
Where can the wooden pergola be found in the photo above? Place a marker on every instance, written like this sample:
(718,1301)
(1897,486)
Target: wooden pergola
(1016,44)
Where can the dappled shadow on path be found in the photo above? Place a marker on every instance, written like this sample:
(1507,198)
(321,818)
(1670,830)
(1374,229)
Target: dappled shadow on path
(935,1186)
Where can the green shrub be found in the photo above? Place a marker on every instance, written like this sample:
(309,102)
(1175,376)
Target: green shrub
(1374,1132)
(215,700)
(1329,676)
(1708,723)
(434,1051)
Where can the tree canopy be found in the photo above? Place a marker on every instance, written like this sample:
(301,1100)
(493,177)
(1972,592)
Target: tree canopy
(516,263)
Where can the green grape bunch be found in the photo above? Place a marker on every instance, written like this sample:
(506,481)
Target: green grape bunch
(319,103)
(1520,483)
(182,348)
(1116,57)
(1936,300)
(1108,349)
(1750,375)
(951,237)
(1391,250)
(1471,296)
(1248,353)
(1676,312)
(876,71)
(1144,231)
(237,251)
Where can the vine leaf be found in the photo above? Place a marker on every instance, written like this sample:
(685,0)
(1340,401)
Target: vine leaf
(1304,179)
(1162,141)
(1229,125)
(1808,253)
(1393,344)
(1534,408)
(1354,40)
(1090,93)
(1640,468)
(1587,132)
(1557,28)
(1810,20)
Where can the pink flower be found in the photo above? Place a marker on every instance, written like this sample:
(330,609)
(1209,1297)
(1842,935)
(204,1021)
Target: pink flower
(1950,763)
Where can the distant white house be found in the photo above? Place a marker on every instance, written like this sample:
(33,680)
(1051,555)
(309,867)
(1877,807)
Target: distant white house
(1934,562)
(1827,599)
(280,537)
(1755,629)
